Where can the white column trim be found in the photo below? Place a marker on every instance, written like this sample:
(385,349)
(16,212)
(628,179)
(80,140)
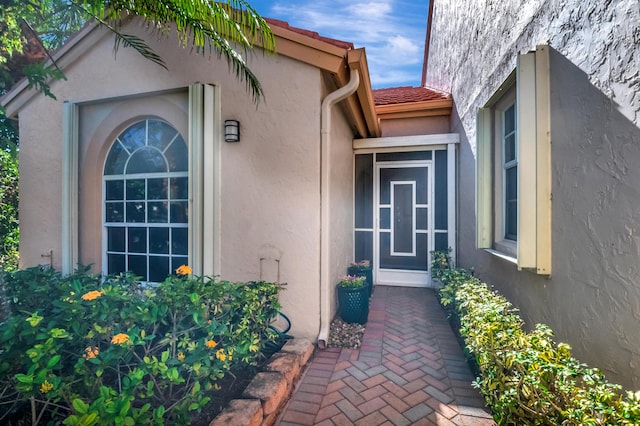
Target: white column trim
(196,142)
(204,179)
(451,199)
(211,229)
(69,247)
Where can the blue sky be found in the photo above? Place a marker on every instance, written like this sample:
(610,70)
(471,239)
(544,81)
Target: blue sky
(391,31)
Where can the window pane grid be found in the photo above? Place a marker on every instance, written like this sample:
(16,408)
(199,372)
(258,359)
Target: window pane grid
(146,213)
(510,173)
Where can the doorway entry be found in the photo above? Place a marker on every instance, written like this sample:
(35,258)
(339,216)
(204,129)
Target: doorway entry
(402,231)
(401,213)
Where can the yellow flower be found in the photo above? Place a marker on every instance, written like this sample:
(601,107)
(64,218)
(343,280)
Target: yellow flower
(220,355)
(119,339)
(91,352)
(180,356)
(183,270)
(210,344)
(92,295)
(46,386)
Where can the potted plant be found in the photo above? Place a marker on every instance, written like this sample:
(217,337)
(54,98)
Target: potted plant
(353,299)
(362,269)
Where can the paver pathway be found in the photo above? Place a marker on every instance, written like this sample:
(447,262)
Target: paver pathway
(410,370)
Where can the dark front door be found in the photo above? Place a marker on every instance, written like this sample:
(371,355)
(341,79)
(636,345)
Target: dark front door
(403,226)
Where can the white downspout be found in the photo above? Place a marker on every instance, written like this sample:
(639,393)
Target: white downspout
(325,142)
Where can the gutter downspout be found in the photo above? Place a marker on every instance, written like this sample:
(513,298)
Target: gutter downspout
(325,142)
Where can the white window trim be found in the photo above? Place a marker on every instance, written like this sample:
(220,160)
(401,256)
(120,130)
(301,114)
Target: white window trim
(506,165)
(124,176)
(533,248)
(507,247)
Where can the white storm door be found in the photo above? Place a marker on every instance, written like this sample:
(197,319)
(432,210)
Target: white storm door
(404,235)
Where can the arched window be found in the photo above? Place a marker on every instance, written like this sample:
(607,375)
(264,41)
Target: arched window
(146,201)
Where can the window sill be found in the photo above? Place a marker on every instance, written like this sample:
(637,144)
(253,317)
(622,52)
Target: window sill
(502,256)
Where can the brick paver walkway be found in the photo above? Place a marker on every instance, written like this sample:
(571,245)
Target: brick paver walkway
(410,370)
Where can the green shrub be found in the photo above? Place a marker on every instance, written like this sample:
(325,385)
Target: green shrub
(110,351)
(9,232)
(525,377)
(440,262)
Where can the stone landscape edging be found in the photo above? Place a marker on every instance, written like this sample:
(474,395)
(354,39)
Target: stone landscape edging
(269,391)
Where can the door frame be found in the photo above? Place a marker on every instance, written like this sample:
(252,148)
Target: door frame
(402,277)
(442,141)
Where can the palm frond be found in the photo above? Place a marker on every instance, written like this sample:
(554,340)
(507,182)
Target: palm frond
(227,28)
(138,44)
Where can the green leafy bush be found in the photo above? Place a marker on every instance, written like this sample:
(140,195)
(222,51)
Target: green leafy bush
(440,262)
(86,350)
(525,377)
(9,232)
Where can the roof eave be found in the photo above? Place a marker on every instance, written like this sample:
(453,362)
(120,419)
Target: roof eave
(337,61)
(21,93)
(318,53)
(369,124)
(321,54)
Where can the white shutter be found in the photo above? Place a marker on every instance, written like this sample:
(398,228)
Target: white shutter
(204,179)
(484,191)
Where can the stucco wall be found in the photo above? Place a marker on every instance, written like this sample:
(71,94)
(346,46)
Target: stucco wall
(592,301)
(341,198)
(414,126)
(40,211)
(270,179)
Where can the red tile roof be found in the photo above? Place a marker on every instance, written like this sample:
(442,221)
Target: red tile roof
(406,94)
(312,34)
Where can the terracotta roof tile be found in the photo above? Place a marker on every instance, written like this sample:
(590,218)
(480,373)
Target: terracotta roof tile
(406,94)
(312,34)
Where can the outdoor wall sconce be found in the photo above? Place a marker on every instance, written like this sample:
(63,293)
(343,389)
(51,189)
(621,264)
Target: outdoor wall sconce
(231,131)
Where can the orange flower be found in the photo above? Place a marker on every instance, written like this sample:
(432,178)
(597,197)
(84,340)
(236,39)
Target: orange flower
(180,356)
(120,338)
(183,270)
(220,355)
(91,352)
(210,344)
(92,295)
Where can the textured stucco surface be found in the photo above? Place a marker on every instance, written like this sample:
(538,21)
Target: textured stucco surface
(270,180)
(341,200)
(592,301)
(414,126)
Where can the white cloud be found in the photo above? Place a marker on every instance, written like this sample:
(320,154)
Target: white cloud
(392,32)
(402,48)
(370,9)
